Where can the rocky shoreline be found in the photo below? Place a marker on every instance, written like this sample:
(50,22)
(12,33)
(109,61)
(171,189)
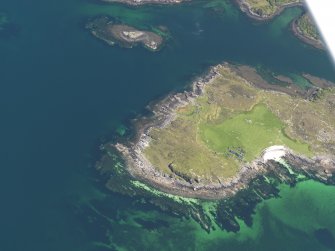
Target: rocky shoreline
(320,168)
(308,40)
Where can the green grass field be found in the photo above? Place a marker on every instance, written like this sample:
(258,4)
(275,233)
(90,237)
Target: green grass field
(251,131)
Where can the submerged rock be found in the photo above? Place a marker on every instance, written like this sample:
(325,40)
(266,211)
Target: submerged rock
(7,27)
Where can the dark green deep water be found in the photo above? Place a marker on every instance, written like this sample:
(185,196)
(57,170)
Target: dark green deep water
(63,91)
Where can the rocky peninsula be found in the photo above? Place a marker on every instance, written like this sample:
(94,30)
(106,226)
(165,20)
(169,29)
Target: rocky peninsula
(212,141)
(265,9)
(305,29)
(124,35)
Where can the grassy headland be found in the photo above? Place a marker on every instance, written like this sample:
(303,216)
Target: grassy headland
(233,122)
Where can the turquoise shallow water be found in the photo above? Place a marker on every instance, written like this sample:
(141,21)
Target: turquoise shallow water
(62,91)
(287,223)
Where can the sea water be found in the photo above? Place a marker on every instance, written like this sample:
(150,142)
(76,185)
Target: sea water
(63,92)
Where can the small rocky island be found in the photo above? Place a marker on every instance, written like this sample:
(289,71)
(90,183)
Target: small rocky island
(305,29)
(124,35)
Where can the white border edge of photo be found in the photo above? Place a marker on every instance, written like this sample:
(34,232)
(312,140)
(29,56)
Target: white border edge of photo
(323,12)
